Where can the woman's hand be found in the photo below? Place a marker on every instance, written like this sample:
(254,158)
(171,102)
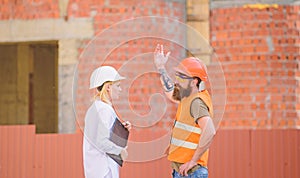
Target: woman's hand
(127,125)
(124,153)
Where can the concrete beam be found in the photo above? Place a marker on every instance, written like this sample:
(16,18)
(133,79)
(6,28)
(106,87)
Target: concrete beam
(46,29)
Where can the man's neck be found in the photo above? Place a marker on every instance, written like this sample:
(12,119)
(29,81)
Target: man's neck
(194,90)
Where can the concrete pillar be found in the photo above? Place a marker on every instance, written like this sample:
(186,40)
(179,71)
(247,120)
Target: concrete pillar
(198,18)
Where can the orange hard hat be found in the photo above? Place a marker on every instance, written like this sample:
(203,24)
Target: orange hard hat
(193,67)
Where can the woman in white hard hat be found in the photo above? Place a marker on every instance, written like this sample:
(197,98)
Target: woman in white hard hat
(99,121)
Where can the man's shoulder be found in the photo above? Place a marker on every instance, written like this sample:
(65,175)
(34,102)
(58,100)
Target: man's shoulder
(198,102)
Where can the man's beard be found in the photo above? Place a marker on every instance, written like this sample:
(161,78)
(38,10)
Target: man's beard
(179,92)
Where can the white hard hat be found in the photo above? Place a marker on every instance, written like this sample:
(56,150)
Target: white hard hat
(104,74)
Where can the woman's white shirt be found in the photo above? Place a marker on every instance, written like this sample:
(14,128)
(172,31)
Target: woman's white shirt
(98,122)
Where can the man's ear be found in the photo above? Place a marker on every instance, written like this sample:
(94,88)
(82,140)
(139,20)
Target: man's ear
(194,82)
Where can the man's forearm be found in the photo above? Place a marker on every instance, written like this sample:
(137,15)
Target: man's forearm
(207,135)
(166,80)
(200,151)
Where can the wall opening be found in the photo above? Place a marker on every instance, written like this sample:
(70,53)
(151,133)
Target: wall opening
(29,77)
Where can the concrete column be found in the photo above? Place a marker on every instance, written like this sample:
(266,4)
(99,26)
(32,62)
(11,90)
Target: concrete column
(68,59)
(198,18)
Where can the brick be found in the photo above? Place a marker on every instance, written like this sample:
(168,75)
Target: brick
(291,122)
(291,115)
(277,32)
(262,49)
(221,35)
(262,16)
(262,32)
(262,106)
(254,123)
(278,16)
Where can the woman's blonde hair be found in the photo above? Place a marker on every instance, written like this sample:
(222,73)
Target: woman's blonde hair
(102,93)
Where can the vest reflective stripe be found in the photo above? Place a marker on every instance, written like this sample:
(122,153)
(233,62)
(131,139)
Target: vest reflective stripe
(187,127)
(184,144)
(185,135)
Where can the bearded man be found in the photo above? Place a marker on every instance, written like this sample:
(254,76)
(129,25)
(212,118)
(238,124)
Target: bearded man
(193,129)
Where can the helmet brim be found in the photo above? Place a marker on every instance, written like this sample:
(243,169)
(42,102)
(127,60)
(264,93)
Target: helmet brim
(117,78)
(182,70)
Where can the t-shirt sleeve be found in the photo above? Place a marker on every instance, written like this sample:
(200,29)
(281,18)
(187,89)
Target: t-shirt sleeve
(198,109)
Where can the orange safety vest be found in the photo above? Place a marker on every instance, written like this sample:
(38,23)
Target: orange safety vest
(186,132)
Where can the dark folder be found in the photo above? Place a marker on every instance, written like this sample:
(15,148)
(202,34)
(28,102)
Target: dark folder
(118,135)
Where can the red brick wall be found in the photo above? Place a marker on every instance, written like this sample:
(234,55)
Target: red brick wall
(29,9)
(259,53)
(258,49)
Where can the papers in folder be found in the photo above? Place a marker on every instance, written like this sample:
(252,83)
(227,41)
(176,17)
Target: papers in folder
(118,135)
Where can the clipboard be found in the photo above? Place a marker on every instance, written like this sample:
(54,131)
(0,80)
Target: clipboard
(119,136)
